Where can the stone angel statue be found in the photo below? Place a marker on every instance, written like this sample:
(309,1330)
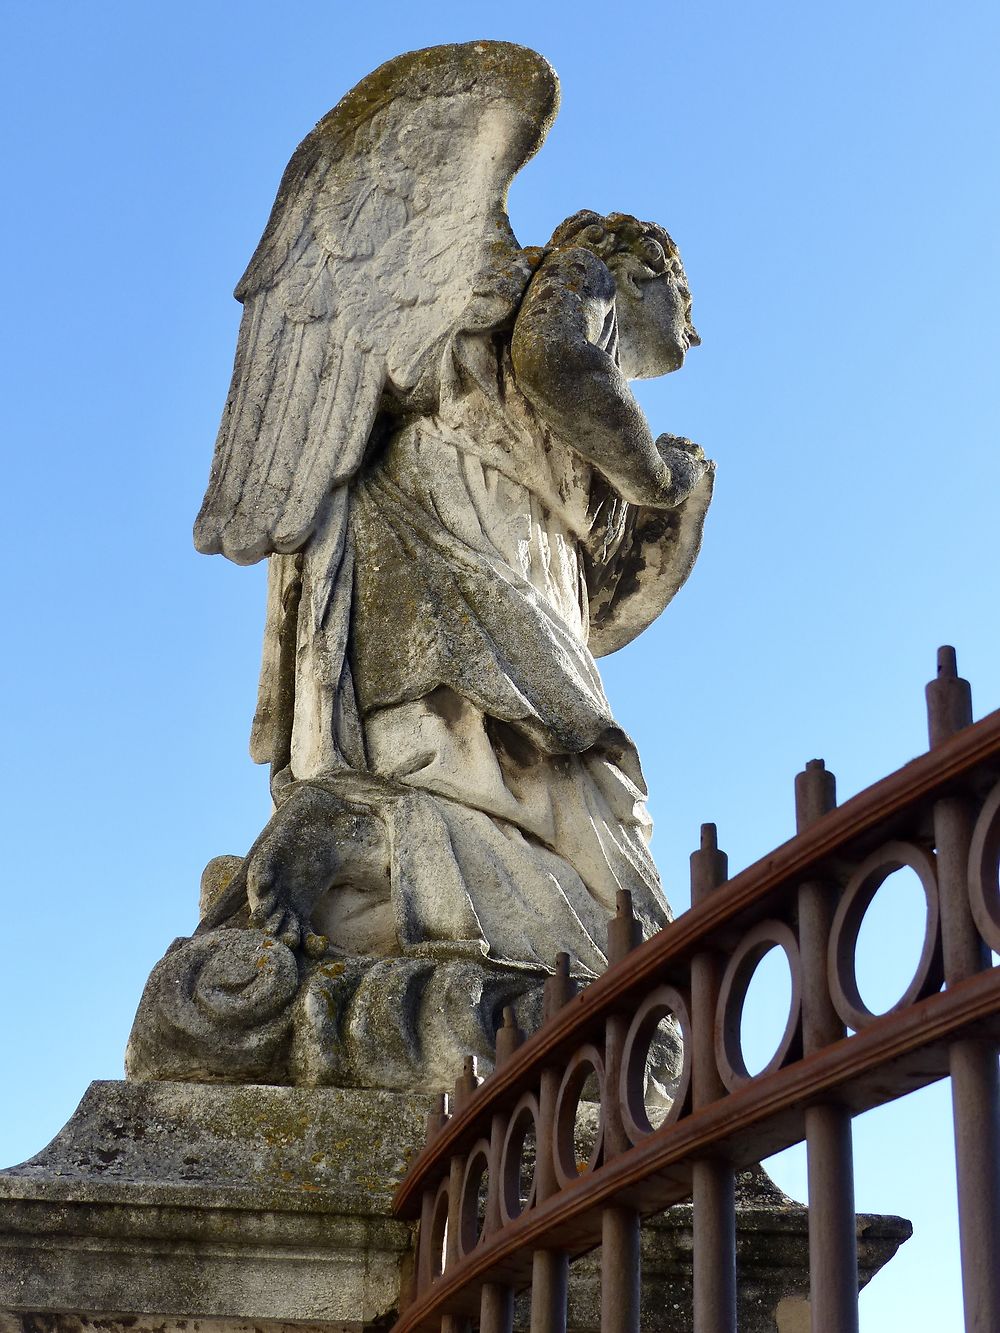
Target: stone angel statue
(431,438)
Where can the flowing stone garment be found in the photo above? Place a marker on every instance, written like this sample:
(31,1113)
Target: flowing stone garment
(450,548)
(449,655)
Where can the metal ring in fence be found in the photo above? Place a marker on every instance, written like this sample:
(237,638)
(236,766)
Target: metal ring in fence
(632,1084)
(984,870)
(477,1165)
(523,1119)
(581,1064)
(439,1227)
(854,903)
(755,945)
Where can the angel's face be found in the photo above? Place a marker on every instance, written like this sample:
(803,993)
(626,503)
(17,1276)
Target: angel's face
(654,317)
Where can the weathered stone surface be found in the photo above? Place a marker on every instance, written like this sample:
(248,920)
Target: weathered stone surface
(160,1203)
(224,1202)
(238,1005)
(82,1323)
(431,437)
(215,879)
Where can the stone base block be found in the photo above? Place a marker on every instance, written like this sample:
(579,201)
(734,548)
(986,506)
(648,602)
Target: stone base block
(76,1323)
(224,1202)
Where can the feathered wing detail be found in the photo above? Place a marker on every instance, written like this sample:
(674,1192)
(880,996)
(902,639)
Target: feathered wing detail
(388,235)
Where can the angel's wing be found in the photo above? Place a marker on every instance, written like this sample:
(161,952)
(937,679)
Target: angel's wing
(388,233)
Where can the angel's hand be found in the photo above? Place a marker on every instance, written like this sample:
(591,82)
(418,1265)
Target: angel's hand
(291,865)
(686,463)
(272,913)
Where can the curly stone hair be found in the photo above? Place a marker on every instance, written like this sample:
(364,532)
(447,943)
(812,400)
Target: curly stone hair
(618,233)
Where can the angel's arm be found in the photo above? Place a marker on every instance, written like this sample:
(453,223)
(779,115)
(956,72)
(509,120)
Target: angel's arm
(563,352)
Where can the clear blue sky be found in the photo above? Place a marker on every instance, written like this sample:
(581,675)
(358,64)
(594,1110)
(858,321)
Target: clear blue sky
(829,172)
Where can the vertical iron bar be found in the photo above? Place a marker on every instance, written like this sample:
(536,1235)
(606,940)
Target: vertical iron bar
(713,1180)
(621,1271)
(465,1086)
(833,1237)
(714,1237)
(976,1108)
(496,1308)
(437,1118)
(549,1280)
(550,1268)
(975,1090)
(451,1323)
(424,1259)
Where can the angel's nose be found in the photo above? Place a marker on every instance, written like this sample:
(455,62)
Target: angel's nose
(693,339)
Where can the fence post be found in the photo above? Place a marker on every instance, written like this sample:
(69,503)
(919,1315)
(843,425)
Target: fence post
(550,1268)
(437,1118)
(974,1083)
(833,1237)
(496,1306)
(465,1086)
(713,1179)
(620,1237)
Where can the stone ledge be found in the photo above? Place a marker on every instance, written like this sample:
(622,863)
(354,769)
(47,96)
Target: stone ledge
(77,1323)
(261,1203)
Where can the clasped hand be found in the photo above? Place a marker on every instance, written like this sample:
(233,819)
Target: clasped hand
(686,463)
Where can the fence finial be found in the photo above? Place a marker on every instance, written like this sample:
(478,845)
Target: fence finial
(709,866)
(815,794)
(624,931)
(509,1036)
(437,1117)
(467,1081)
(558,988)
(949,699)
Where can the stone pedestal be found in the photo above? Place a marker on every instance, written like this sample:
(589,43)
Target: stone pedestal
(215,1202)
(256,1208)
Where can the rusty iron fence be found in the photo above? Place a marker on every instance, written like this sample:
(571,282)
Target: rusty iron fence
(493,1222)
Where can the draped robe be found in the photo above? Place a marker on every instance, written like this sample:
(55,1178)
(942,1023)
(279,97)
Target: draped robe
(436,667)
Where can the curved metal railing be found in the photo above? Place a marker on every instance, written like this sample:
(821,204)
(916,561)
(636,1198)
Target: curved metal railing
(485,1232)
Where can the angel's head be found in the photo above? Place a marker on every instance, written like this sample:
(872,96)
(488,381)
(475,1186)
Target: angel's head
(653,301)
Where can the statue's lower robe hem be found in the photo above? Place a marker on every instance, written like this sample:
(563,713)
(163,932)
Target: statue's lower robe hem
(237,1005)
(439,915)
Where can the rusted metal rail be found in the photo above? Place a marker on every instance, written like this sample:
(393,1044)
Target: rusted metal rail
(486,1233)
